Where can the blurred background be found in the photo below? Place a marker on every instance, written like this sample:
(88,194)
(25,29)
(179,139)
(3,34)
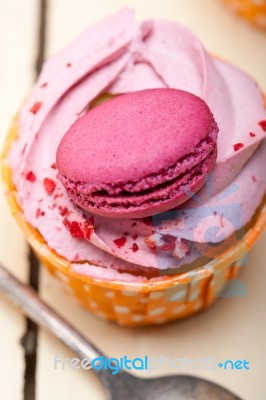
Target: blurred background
(30,31)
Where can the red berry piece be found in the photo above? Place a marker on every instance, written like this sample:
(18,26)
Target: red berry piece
(120,242)
(169,243)
(263,125)
(30,176)
(35,108)
(39,213)
(135,247)
(64,212)
(49,185)
(74,229)
(80,230)
(238,146)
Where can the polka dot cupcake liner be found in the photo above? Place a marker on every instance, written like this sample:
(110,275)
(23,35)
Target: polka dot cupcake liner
(252,10)
(151,302)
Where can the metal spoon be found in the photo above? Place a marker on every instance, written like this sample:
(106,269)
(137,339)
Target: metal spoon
(122,386)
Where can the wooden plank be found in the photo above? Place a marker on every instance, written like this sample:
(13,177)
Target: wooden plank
(224,331)
(17,43)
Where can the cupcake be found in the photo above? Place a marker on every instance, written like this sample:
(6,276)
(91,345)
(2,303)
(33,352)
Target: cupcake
(253,11)
(136,170)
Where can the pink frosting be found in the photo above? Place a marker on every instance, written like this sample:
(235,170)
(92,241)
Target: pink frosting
(120,55)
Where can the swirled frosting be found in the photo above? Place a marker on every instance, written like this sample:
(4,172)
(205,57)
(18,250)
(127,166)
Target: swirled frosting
(120,55)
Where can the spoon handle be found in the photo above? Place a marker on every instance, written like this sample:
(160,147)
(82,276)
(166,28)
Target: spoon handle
(28,300)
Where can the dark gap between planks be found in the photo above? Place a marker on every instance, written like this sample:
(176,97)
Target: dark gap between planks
(29,340)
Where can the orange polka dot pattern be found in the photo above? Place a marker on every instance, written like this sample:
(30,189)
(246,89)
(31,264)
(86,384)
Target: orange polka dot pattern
(252,10)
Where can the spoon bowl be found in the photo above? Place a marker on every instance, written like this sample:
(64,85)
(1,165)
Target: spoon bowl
(174,387)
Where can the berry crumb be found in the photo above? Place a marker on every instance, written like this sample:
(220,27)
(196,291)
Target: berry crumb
(238,146)
(135,247)
(49,185)
(30,176)
(36,107)
(120,242)
(80,230)
(263,125)
(39,213)
(64,212)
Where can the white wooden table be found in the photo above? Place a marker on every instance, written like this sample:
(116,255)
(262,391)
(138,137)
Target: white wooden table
(233,328)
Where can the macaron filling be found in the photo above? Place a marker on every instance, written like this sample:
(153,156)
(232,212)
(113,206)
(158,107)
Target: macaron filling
(158,187)
(182,166)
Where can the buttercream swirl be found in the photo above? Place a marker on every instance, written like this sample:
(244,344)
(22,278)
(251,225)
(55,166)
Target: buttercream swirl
(120,55)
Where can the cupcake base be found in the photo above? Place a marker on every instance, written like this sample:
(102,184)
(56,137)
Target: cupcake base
(154,301)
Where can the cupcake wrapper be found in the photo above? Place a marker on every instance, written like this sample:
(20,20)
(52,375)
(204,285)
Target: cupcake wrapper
(252,10)
(142,303)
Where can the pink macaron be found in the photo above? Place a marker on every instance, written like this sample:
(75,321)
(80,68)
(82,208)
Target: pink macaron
(138,154)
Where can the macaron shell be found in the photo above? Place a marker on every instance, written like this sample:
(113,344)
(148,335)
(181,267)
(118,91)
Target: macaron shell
(132,136)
